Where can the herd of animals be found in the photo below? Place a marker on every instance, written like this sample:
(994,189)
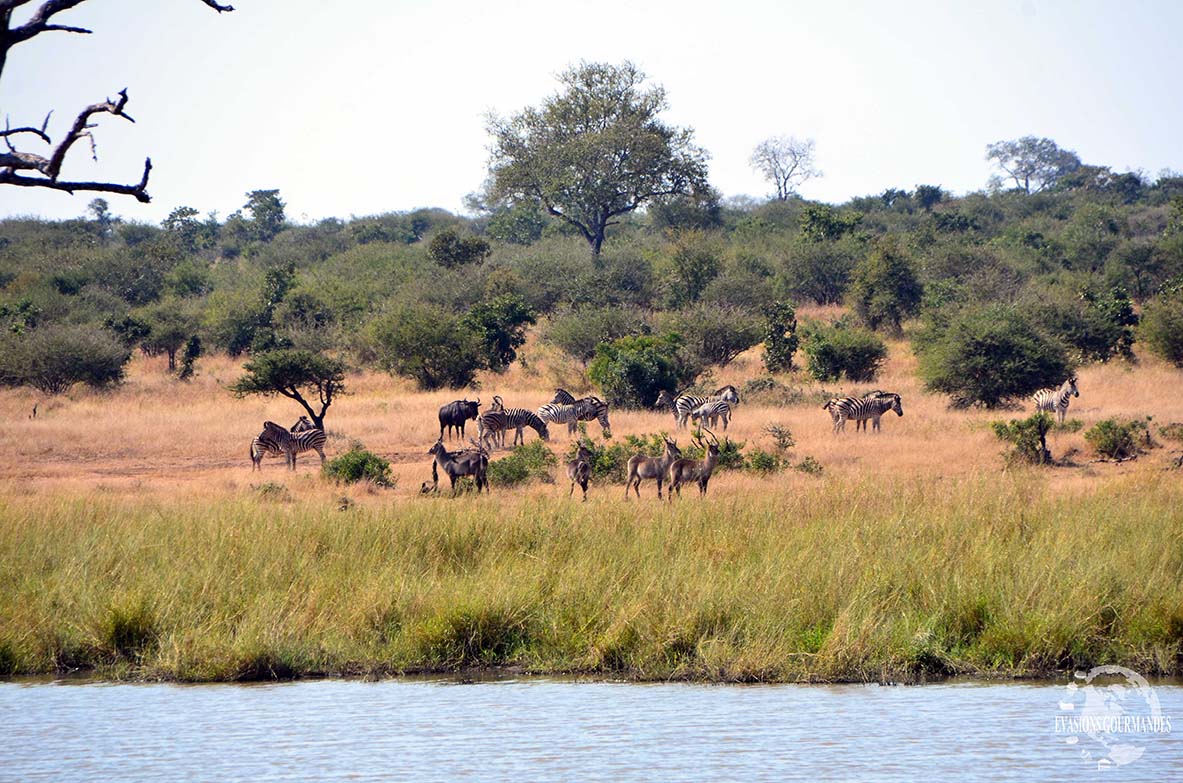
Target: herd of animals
(671,467)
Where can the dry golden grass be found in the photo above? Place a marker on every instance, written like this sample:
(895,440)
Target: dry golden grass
(155,434)
(134,538)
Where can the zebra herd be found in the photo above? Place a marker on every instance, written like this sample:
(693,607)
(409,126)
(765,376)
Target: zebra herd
(565,408)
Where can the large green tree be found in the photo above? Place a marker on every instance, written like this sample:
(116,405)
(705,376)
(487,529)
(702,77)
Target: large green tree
(594,151)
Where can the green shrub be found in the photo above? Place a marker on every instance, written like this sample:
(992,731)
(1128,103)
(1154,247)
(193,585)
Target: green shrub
(430,345)
(358,464)
(1172,431)
(809,466)
(1028,437)
(1117,438)
(767,390)
(843,351)
(884,289)
(532,461)
(632,371)
(577,333)
(989,356)
(764,462)
(273,491)
(1162,327)
(713,335)
(782,436)
(51,359)
(780,336)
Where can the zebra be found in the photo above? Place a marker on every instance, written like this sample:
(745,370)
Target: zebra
(263,446)
(302,424)
(1056,400)
(590,408)
(494,424)
(711,412)
(685,403)
(861,409)
(275,440)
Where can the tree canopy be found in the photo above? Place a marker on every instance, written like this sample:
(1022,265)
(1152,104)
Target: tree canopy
(595,151)
(1034,164)
(294,374)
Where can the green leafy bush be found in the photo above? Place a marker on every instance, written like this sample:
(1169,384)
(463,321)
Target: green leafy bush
(430,345)
(51,359)
(532,461)
(809,466)
(989,356)
(577,333)
(1162,327)
(1028,437)
(764,462)
(841,350)
(1117,438)
(884,289)
(358,464)
(632,371)
(780,336)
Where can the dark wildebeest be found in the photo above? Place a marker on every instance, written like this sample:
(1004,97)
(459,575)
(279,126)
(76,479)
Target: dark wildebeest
(454,414)
(470,462)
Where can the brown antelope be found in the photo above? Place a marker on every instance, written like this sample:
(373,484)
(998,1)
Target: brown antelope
(579,470)
(683,471)
(642,467)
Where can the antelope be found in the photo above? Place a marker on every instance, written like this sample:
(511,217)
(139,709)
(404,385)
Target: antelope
(579,471)
(642,467)
(461,463)
(683,471)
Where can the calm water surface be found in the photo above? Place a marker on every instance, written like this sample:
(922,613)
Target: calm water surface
(555,730)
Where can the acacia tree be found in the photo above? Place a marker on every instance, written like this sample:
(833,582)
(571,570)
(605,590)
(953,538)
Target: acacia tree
(595,151)
(785,161)
(1034,164)
(44,170)
(294,373)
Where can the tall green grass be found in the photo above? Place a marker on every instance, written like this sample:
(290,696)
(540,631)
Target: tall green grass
(825,581)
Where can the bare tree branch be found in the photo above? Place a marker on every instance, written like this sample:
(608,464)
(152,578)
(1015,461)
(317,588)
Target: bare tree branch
(50,167)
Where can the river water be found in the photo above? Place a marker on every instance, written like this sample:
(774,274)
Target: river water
(563,730)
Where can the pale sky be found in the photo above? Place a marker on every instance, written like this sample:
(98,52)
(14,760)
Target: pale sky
(370,106)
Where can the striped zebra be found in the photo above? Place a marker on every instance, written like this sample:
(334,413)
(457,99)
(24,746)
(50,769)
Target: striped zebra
(492,426)
(590,408)
(1056,400)
(683,404)
(711,412)
(861,409)
(277,441)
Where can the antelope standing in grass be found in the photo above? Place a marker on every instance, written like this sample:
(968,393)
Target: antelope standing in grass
(473,463)
(643,467)
(684,471)
(579,470)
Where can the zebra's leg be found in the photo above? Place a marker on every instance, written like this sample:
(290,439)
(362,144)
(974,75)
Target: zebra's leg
(320,450)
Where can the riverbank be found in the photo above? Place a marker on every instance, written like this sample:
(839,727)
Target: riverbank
(807,580)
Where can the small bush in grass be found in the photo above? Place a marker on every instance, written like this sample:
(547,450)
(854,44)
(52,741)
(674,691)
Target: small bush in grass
(1069,425)
(1028,436)
(358,464)
(781,436)
(809,466)
(532,461)
(273,491)
(1118,439)
(1172,431)
(760,461)
(840,350)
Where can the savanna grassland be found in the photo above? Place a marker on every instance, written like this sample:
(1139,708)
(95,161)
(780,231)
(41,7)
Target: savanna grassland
(136,541)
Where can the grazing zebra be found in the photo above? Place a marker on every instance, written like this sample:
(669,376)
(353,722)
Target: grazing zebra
(685,403)
(1056,400)
(275,440)
(861,409)
(590,408)
(711,412)
(494,425)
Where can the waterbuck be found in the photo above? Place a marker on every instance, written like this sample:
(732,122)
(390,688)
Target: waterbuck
(461,463)
(642,467)
(683,471)
(579,470)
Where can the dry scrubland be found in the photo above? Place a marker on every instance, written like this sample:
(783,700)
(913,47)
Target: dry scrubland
(134,539)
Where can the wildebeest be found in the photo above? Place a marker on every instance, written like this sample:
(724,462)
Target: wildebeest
(579,470)
(642,467)
(455,413)
(473,463)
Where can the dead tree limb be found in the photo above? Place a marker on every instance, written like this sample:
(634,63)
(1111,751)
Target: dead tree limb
(49,167)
